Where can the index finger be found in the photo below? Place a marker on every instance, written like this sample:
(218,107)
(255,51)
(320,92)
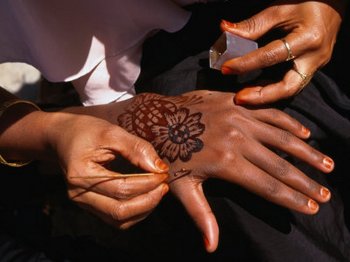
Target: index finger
(106,182)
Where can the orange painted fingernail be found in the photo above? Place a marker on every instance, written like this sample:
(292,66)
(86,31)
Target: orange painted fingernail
(325,193)
(328,163)
(206,242)
(161,165)
(228,24)
(305,131)
(312,205)
(226,70)
(165,189)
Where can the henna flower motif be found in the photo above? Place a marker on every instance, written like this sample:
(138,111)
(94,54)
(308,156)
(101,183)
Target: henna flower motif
(179,137)
(169,126)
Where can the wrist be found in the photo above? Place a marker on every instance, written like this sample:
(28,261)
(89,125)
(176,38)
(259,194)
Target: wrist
(13,112)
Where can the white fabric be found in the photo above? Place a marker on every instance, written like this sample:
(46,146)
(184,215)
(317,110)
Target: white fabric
(95,43)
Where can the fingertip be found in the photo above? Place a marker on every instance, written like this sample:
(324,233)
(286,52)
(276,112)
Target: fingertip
(305,131)
(211,235)
(161,166)
(313,206)
(225,70)
(226,25)
(165,189)
(210,247)
(247,96)
(328,163)
(239,99)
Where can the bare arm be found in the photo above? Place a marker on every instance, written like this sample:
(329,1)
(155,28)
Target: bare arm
(29,134)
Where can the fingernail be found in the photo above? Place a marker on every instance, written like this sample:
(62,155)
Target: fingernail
(228,24)
(206,242)
(305,131)
(161,165)
(325,193)
(328,163)
(165,189)
(312,205)
(226,70)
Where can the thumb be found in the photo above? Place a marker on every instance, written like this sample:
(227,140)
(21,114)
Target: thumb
(139,152)
(253,27)
(199,210)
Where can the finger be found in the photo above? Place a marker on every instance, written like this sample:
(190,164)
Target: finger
(256,180)
(285,172)
(259,95)
(271,54)
(282,120)
(288,143)
(139,152)
(119,188)
(118,212)
(198,208)
(253,27)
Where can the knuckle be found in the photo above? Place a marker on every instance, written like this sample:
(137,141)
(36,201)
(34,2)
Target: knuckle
(268,58)
(272,190)
(250,24)
(236,136)
(118,212)
(314,39)
(282,168)
(122,190)
(286,137)
(227,157)
(142,148)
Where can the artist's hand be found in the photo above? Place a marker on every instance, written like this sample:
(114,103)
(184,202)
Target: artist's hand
(204,135)
(85,146)
(310,28)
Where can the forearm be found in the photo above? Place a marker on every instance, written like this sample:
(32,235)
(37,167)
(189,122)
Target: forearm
(23,129)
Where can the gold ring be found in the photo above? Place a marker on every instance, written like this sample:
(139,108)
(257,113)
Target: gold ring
(290,54)
(305,78)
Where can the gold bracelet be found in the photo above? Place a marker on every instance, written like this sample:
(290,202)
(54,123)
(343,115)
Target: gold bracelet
(6,105)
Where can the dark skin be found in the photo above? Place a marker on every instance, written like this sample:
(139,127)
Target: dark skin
(203,134)
(309,27)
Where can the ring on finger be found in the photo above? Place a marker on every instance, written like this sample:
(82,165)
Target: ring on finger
(289,50)
(305,78)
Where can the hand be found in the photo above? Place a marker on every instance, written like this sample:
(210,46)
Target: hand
(204,135)
(85,146)
(310,28)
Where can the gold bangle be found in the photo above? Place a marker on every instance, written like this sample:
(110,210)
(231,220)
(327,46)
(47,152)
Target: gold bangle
(6,105)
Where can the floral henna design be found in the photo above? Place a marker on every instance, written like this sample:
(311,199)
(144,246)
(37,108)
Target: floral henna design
(167,124)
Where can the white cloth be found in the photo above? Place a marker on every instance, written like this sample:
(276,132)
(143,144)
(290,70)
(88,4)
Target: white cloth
(95,43)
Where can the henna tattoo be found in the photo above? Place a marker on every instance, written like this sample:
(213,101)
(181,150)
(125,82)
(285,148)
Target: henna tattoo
(167,123)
